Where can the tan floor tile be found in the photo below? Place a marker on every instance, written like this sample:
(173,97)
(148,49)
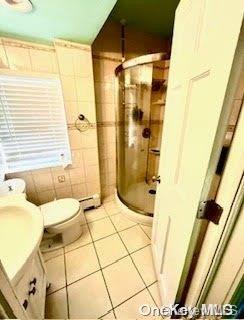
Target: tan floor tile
(144,263)
(110,249)
(134,238)
(95,214)
(88,298)
(147,230)
(111,208)
(122,280)
(101,228)
(56,273)
(52,254)
(154,289)
(81,262)
(131,308)
(121,222)
(56,305)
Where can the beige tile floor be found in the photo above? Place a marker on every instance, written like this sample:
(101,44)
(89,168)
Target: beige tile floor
(107,273)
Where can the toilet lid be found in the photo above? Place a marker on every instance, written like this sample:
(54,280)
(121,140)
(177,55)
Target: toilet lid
(59,211)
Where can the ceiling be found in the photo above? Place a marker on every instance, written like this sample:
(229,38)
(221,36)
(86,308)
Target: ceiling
(74,20)
(154,16)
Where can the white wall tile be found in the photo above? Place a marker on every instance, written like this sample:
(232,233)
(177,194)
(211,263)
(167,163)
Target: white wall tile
(46,196)
(60,174)
(43,61)
(68,85)
(90,157)
(92,173)
(82,62)
(43,181)
(77,158)
(75,139)
(89,139)
(19,58)
(84,88)
(79,191)
(93,187)
(77,175)
(65,61)
(88,109)
(64,192)
(3,58)
(71,111)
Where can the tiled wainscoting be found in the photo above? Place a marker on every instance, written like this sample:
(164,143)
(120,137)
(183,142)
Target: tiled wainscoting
(72,64)
(107,273)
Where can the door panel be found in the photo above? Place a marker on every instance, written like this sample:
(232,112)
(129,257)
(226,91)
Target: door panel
(202,54)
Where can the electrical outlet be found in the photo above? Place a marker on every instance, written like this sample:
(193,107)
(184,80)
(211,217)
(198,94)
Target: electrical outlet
(61,179)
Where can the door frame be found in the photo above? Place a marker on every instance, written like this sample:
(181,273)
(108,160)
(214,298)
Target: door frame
(228,232)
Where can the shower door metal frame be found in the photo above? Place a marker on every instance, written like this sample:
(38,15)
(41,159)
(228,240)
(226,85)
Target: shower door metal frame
(142,60)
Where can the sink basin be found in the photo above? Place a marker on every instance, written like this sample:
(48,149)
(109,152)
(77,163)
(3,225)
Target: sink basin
(21,230)
(12,186)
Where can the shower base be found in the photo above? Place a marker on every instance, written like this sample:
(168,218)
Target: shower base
(139,196)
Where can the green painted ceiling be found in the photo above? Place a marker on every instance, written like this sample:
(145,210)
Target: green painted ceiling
(154,16)
(75,20)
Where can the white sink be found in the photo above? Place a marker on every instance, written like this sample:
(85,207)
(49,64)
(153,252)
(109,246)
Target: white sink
(21,230)
(12,186)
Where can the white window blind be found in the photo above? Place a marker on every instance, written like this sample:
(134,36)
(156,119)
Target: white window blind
(33,128)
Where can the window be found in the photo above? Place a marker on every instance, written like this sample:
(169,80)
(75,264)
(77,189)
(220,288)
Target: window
(33,130)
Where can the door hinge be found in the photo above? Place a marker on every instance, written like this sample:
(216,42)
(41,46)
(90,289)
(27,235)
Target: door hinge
(209,210)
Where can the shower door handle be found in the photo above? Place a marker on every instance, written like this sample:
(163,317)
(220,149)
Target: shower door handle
(156,179)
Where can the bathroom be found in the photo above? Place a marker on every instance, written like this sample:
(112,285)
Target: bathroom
(82,131)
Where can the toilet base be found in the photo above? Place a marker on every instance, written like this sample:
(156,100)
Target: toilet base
(71,234)
(52,241)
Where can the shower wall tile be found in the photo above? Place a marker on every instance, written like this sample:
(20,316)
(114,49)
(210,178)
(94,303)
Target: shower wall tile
(105,94)
(72,63)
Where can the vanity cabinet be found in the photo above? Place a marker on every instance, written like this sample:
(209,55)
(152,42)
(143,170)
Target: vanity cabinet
(31,288)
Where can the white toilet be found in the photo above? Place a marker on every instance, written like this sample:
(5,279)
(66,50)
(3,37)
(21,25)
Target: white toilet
(62,223)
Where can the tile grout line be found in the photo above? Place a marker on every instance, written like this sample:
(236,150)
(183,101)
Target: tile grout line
(102,268)
(83,245)
(145,232)
(135,294)
(134,264)
(101,271)
(66,287)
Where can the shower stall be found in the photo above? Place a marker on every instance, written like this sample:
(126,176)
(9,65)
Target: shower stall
(142,85)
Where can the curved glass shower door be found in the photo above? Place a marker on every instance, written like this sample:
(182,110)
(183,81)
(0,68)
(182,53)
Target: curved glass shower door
(138,137)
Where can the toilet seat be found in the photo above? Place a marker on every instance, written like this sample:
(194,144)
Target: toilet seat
(59,211)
